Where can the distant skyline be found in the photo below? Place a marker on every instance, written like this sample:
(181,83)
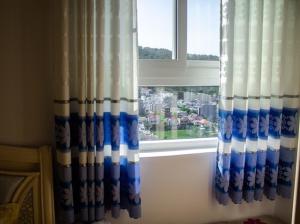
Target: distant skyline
(155,25)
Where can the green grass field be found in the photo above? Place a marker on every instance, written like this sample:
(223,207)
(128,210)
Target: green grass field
(185,134)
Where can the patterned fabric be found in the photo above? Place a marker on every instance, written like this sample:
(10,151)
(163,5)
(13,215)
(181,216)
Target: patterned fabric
(258,110)
(96,122)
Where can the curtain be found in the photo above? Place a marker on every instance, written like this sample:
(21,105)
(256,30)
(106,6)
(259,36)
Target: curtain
(96,122)
(259,91)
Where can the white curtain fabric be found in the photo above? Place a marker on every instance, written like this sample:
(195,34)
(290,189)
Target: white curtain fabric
(96,121)
(258,110)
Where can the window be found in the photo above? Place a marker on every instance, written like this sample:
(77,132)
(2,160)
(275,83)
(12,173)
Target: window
(203,30)
(177,112)
(178,90)
(156,35)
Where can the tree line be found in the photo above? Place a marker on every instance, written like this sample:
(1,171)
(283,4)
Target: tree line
(161,53)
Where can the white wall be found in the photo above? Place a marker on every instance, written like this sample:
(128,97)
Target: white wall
(178,189)
(25,73)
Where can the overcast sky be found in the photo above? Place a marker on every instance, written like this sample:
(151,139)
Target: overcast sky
(155,25)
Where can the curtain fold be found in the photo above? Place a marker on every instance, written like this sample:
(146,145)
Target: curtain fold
(259,94)
(96,120)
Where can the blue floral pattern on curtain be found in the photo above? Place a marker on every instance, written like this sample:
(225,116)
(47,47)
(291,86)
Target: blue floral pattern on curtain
(96,121)
(259,94)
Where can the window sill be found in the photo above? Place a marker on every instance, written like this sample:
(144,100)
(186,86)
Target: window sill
(177,147)
(146,154)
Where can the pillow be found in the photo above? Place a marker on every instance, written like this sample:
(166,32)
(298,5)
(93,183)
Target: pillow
(9,213)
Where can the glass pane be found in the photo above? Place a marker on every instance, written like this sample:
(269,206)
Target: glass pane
(203,31)
(155,29)
(177,112)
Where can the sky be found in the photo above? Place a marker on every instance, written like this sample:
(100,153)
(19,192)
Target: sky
(155,25)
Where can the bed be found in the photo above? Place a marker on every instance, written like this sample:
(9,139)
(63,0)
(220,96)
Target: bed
(26,186)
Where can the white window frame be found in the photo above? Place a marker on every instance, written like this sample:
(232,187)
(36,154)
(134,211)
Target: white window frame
(178,72)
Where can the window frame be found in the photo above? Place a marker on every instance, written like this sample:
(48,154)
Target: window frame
(178,71)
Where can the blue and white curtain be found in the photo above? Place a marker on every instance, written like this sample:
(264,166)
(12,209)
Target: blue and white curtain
(259,93)
(96,122)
